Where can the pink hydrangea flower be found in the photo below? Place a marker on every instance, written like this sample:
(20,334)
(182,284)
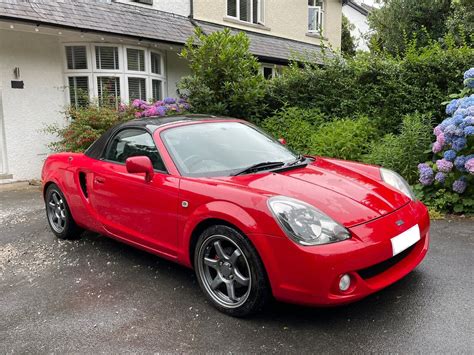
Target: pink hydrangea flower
(470,166)
(441,139)
(437,147)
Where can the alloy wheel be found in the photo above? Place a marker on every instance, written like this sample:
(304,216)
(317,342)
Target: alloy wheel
(57,212)
(224,271)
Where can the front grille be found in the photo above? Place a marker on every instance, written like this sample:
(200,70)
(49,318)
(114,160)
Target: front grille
(377,269)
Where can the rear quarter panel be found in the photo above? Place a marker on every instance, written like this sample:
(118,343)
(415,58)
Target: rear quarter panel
(63,170)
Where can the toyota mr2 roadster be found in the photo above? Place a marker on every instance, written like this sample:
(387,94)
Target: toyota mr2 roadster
(251,217)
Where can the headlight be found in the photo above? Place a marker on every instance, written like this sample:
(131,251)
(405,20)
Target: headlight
(304,223)
(397,182)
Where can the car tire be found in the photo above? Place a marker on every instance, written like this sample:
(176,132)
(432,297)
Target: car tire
(230,271)
(59,215)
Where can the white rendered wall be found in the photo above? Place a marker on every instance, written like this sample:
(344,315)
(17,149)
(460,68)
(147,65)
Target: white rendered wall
(361,26)
(26,111)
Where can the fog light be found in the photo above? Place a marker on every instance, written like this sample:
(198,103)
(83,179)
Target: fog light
(344,282)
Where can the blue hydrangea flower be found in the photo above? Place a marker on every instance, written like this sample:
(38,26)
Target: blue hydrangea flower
(469,131)
(449,155)
(459,144)
(452,106)
(426,174)
(459,186)
(169,100)
(459,163)
(440,177)
(469,74)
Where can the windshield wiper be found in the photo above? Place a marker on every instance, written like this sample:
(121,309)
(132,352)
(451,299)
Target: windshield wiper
(300,159)
(260,166)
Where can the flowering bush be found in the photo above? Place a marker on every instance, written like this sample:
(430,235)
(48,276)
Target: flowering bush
(452,168)
(166,107)
(86,124)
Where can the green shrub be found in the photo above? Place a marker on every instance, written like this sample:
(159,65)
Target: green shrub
(403,152)
(224,76)
(345,139)
(379,86)
(445,200)
(295,125)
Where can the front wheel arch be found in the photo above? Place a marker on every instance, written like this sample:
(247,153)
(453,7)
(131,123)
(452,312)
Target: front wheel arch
(203,225)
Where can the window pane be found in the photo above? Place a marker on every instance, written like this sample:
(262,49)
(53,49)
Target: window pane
(135,59)
(268,72)
(261,14)
(245,10)
(131,143)
(76,57)
(155,63)
(312,19)
(255,11)
(156,88)
(232,8)
(79,91)
(106,57)
(109,90)
(136,89)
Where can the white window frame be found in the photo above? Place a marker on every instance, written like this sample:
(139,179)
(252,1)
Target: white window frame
(108,75)
(125,56)
(88,58)
(260,12)
(320,17)
(122,73)
(120,58)
(147,85)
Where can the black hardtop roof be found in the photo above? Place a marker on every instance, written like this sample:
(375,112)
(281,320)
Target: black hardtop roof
(97,148)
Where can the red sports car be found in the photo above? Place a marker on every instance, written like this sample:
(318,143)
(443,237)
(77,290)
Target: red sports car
(251,217)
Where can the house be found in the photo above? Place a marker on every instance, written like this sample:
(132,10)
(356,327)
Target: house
(357,13)
(52,52)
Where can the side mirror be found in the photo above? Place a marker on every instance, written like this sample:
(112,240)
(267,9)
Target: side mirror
(282,141)
(140,164)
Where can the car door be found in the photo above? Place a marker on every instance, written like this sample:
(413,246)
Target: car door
(129,207)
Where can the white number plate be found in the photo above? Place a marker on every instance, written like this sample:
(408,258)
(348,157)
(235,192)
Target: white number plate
(405,240)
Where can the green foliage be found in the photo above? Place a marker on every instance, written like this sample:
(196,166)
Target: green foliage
(381,87)
(224,79)
(399,21)
(345,139)
(460,23)
(295,125)
(84,126)
(348,46)
(444,199)
(404,151)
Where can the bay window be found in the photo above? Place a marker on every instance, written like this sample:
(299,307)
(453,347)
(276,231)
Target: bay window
(112,74)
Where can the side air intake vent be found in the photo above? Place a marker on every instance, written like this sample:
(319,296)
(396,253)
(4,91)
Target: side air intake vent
(83,183)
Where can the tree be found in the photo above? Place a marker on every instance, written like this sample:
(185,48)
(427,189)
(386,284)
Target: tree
(460,22)
(399,21)
(225,77)
(348,46)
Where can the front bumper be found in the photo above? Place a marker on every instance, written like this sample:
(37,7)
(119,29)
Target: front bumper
(310,275)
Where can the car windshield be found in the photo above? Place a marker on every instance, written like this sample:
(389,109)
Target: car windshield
(223,149)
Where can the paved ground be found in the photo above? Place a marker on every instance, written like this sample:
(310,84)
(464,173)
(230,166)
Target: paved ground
(97,295)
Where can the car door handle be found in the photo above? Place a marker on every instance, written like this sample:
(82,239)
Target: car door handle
(99,180)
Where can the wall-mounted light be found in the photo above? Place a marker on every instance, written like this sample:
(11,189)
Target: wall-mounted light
(60,33)
(101,38)
(16,73)
(12,27)
(37,28)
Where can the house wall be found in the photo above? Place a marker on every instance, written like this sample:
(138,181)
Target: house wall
(180,7)
(25,112)
(284,18)
(361,26)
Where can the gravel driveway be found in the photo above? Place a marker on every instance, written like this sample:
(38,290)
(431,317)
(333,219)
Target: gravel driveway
(97,295)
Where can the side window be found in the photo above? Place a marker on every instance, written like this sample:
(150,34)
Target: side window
(131,143)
